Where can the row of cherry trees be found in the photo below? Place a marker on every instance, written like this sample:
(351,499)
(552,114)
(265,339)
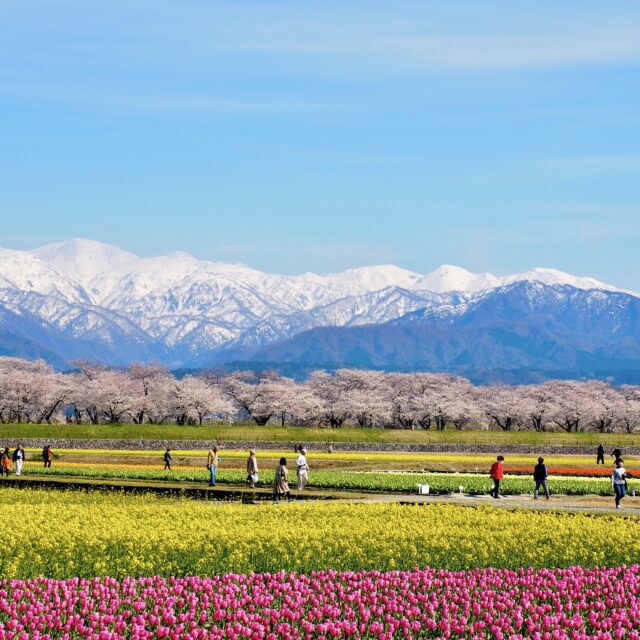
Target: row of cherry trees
(34,392)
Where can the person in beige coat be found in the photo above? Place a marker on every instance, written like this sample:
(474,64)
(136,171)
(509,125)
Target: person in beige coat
(252,469)
(281,480)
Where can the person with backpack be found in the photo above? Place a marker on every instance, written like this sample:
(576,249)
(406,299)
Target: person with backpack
(496,473)
(540,478)
(167,459)
(619,481)
(18,458)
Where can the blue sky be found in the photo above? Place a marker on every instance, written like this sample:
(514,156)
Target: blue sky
(298,136)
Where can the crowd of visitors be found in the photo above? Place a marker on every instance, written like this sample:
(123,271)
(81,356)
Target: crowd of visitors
(8,459)
(619,476)
(281,490)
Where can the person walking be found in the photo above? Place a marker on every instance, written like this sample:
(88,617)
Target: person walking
(496,473)
(540,478)
(168,459)
(600,458)
(18,458)
(252,469)
(47,456)
(619,481)
(5,462)
(616,454)
(212,464)
(281,481)
(302,469)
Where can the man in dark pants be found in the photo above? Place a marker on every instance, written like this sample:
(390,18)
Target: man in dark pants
(616,454)
(600,454)
(47,456)
(496,474)
(540,478)
(167,460)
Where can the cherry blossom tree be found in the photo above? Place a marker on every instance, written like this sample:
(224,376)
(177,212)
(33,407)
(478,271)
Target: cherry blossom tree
(331,393)
(31,391)
(568,405)
(503,405)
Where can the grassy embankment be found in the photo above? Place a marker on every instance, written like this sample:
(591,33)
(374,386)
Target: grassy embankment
(251,433)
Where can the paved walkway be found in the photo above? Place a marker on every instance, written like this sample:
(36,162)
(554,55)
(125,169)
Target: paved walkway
(226,492)
(593,504)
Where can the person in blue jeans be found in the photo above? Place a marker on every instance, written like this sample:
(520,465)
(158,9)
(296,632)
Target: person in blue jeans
(619,481)
(212,464)
(540,478)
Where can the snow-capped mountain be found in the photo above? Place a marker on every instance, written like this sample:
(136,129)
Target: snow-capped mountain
(99,299)
(521,332)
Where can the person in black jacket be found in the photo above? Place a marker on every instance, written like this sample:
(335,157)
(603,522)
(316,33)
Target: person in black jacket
(18,458)
(540,478)
(600,457)
(167,460)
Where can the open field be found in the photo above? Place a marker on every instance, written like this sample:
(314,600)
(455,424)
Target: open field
(312,570)
(335,479)
(343,460)
(252,433)
(69,534)
(562,603)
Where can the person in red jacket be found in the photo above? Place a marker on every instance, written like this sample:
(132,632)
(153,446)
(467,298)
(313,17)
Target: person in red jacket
(496,473)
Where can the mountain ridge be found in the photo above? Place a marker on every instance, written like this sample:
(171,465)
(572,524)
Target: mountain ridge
(88,298)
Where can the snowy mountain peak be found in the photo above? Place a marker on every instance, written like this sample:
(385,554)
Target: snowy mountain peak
(181,309)
(451,278)
(83,259)
(373,278)
(553,277)
(22,271)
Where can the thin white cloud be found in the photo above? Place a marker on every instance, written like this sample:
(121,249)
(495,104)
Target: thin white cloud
(194,37)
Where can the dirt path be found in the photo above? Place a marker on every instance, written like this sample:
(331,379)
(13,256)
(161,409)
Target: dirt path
(226,492)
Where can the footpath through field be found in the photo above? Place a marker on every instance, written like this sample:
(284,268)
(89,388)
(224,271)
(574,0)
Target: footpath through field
(242,493)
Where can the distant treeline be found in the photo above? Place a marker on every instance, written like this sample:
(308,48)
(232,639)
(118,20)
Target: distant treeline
(31,391)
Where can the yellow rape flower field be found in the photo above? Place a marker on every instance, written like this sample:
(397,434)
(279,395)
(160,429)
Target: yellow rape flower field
(235,458)
(66,534)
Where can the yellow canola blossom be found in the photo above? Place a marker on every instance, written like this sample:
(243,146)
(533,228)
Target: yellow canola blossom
(458,459)
(65,534)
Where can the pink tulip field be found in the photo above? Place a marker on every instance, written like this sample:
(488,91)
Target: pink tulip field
(549,604)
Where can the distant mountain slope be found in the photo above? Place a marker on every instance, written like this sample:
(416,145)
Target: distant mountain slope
(526,325)
(85,299)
